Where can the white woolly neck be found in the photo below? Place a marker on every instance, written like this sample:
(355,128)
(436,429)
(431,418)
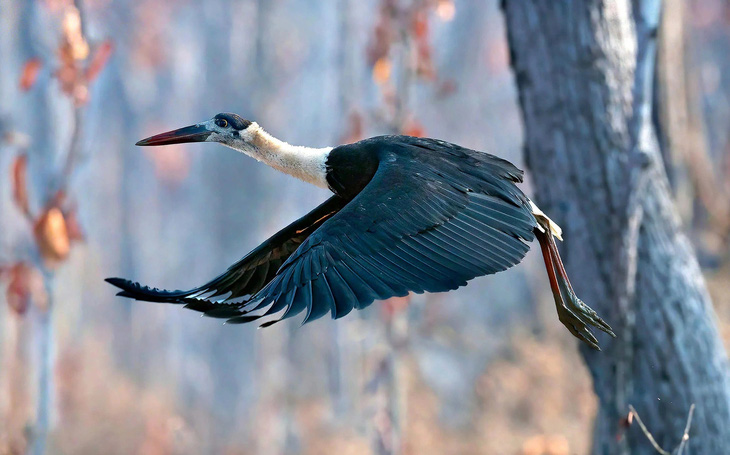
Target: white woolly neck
(304,163)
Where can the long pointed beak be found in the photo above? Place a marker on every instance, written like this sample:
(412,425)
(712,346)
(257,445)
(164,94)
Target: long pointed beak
(194,133)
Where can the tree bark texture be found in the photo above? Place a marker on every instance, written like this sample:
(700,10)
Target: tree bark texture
(584,71)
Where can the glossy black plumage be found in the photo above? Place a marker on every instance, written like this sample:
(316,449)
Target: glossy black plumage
(409,214)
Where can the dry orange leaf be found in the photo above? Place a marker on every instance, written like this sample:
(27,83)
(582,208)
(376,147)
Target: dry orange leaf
(413,128)
(73,226)
(446,10)
(25,285)
(72,52)
(381,70)
(51,234)
(72,33)
(30,73)
(19,182)
(99,60)
(419,26)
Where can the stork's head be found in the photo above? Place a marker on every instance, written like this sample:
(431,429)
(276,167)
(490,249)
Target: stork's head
(306,163)
(228,129)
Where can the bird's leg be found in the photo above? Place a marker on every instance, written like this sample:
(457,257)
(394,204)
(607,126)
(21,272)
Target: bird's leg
(578,304)
(572,312)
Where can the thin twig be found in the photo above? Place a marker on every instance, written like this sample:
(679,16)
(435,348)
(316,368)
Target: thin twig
(74,149)
(685,436)
(647,433)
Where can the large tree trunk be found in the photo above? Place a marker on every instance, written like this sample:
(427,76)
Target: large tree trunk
(584,70)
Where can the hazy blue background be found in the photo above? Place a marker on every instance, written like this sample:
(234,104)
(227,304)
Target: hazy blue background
(486,369)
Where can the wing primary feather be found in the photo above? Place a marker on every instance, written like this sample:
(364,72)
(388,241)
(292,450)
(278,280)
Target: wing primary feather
(269,323)
(391,282)
(329,294)
(322,299)
(410,259)
(362,291)
(510,245)
(441,256)
(343,296)
(220,312)
(380,261)
(241,280)
(427,255)
(258,279)
(462,233)
(512,231)
(297,305)
(242,319)
(425,268)
(425,279)
(500,216)
(281,302)
(496,215)
(483,262)
(306,292)
(382,290)
(501,240)
(447,244)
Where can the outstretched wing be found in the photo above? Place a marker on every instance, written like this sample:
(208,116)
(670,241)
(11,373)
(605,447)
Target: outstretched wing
(433,216)
(226,294)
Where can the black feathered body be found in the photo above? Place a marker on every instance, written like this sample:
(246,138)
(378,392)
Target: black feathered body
(408,215)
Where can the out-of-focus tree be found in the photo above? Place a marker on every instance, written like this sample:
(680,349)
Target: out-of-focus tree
(40,176)
(585,73)
(697,175)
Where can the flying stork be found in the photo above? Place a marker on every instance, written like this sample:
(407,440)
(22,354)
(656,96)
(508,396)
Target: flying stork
(408,214)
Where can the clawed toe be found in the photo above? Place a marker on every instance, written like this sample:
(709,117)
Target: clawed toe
(572,312)
(579,329)
(586,314)
(577,317)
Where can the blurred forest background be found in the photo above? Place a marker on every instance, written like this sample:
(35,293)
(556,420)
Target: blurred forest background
(487,369)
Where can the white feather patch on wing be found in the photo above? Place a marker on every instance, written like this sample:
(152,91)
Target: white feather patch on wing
(544,222)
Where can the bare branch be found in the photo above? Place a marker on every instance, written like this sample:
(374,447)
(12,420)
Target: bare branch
(685,436)
(650,438)
(647,433)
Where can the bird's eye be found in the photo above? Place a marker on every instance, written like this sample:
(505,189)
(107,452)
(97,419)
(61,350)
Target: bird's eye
(222,122)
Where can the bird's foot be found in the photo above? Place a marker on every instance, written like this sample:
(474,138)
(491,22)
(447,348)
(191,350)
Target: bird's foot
(575,315)
(578,317)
